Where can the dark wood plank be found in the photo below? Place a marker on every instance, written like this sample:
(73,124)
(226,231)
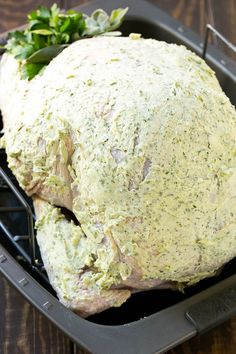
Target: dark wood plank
(13,13)
(23,330)
(68,4)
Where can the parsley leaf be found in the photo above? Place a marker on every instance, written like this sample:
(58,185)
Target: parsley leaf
(28,71)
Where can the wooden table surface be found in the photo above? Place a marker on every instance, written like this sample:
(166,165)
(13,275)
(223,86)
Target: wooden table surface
(22,329)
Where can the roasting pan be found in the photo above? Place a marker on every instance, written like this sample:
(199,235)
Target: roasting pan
(149,322)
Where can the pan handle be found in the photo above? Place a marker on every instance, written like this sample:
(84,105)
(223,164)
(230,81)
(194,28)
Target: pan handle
(214,310)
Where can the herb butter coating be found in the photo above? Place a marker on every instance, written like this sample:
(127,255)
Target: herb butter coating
(136,138)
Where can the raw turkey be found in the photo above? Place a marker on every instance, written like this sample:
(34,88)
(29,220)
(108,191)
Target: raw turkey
(136,138)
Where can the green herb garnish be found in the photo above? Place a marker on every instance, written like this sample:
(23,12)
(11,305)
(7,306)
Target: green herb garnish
(49,31)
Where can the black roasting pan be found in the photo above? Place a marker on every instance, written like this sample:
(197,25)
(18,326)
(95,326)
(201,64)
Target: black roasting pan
(149,322)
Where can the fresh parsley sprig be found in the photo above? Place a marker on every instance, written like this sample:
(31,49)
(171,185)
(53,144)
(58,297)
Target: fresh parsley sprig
(49,31)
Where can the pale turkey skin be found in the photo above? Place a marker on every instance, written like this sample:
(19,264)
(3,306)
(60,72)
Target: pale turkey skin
(138,140)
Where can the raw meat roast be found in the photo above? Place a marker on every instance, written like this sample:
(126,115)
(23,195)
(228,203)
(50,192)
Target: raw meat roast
(136,138)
